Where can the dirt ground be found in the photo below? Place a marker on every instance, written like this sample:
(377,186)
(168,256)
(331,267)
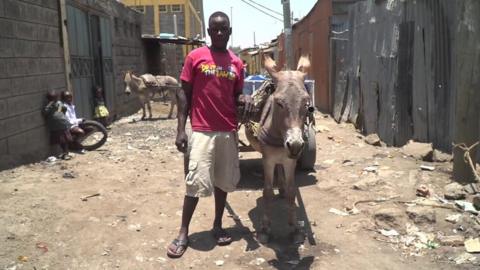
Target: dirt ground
(139,176)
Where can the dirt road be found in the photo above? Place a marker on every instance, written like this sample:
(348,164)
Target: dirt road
(138,176)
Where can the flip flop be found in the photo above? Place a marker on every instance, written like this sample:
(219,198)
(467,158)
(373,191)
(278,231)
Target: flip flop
(179,244)
(221,236)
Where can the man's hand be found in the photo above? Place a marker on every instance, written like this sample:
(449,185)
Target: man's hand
(248,107)
(181,141)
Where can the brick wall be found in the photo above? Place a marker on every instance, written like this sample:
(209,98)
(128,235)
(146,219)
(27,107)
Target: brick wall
(31,59)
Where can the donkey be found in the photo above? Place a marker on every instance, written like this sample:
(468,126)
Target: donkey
(280,140)
(145,87)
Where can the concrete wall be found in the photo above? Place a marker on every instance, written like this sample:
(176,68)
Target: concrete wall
(32,62)
(128,54)
(31,59)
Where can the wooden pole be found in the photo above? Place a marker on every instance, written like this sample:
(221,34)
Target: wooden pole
(467,86)
(66,47)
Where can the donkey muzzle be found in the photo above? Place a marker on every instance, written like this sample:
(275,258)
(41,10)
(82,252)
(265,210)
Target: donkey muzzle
(294,143)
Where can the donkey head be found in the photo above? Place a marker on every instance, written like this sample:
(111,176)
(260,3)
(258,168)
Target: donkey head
(290,104)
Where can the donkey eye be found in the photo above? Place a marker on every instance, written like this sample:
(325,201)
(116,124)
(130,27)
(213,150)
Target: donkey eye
(280,104)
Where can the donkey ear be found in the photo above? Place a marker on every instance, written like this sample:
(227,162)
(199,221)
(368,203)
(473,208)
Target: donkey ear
(303,64)
(270,66)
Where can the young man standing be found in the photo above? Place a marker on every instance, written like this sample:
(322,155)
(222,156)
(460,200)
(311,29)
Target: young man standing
(212,82)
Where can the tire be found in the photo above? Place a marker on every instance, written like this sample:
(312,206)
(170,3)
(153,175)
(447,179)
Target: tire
(309,155)
(92,128)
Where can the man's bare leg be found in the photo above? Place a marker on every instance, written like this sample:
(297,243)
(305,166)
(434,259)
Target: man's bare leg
(175,249)
(221,236)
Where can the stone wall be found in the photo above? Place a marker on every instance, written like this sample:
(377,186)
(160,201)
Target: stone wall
(32,62)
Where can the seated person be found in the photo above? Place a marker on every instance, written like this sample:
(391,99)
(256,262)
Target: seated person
(58,123)
(75,129)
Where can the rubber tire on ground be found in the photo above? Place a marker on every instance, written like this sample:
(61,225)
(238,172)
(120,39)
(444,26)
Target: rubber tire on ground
(309,154)
(98,127)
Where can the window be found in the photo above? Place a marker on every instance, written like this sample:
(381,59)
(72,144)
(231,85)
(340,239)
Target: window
(162,9)
(176,8)
(139,8)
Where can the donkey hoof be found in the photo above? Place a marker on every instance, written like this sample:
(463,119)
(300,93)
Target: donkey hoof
(281,193)
(263,237)
(298,237)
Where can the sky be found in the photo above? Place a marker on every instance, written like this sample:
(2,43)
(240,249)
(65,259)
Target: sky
(246,20)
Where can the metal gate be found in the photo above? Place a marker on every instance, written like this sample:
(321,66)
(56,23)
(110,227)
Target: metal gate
(81,60)
(90,44)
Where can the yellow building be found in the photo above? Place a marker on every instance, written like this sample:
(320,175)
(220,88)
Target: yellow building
(181,17)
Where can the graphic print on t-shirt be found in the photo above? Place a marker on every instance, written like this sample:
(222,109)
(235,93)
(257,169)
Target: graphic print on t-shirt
(218,71)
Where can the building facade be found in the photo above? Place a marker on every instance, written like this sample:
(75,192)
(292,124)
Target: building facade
(96,42)
(179,17)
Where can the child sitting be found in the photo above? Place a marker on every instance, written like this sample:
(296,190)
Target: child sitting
(58,123)
(75,129)
(101,111)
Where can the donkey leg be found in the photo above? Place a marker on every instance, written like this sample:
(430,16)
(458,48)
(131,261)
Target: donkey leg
(298,235)
(149,106)
(269,167)
(171,110)
(143,111)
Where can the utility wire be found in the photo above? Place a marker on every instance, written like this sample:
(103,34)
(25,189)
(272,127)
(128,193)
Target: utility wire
(268,14)
(267,8)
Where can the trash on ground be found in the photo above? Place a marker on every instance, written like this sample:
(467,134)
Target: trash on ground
(85,198)
(389,233)
(51,159)
(466,206)
(219,262)
(427,168)
(338,212)
(472,245)
(371,169)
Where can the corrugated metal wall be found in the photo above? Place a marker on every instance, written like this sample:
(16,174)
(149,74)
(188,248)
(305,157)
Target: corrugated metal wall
(399,75)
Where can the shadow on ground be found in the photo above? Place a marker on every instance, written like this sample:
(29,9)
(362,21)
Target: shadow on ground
(252,175)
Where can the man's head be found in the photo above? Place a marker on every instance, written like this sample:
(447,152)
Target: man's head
(219,30)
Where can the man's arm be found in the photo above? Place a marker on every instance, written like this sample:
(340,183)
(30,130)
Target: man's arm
(184,101)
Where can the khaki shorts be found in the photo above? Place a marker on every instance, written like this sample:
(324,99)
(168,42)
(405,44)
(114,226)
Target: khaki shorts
(213,163)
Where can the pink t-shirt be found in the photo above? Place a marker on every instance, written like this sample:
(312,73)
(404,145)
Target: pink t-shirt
(216,78)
